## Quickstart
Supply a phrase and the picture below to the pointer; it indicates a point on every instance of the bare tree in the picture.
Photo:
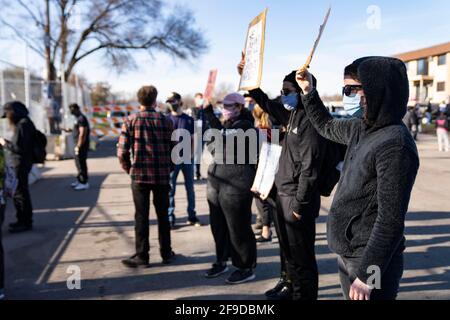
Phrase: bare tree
(64, 32)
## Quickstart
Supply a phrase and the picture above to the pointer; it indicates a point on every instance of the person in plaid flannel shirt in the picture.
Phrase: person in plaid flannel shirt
(144, 152)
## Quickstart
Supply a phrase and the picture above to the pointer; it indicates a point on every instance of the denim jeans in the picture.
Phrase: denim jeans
(188, 173)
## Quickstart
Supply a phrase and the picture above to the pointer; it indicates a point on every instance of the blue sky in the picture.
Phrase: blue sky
(291, 29)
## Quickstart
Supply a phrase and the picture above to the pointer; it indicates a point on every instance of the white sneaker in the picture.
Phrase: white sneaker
(2, 295)
(82, 187)
(74, 184)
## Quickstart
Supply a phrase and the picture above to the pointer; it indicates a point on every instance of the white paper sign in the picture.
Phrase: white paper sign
(267, 169)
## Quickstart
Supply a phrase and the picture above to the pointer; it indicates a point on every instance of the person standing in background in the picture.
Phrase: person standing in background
(182, 121)
(202, 124)
(144, 152)
(442, 128)
(81, 136)
(21, 148)
(412, 122)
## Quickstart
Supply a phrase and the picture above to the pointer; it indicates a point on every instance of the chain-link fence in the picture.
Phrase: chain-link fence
(47, 102)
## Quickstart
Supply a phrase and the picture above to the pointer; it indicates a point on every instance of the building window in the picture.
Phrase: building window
(407, 66)
(422, 67)
(442, 60)
(441, 86)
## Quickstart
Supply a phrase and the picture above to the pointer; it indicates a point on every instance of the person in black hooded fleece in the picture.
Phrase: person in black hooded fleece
(21, 148)
(297, 182)
(367, 219)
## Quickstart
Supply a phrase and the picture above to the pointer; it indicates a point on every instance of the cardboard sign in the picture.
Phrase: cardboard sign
(254, 54)
(211, 85)
(316, 43)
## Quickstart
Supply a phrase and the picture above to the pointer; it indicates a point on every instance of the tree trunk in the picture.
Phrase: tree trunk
(51, 70)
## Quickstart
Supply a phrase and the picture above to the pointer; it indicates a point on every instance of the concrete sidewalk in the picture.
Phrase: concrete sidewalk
(94, 230)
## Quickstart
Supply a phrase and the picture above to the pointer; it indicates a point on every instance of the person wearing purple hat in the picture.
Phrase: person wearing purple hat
(229, 192)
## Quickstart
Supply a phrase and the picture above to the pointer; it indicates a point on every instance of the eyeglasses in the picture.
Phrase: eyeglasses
(351, 90)
(286, 92)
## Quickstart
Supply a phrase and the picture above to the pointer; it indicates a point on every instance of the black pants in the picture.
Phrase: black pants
(81, 163)
(390, 281)
(279, 222)
(2, 261)
(231, 223)
(141, 197)
(22, 198)
(297, 241)
(265, 211)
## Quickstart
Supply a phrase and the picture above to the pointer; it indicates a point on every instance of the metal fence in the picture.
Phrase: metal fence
(47, 102)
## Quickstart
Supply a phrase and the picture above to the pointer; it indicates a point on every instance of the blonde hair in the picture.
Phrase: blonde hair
(261, 118)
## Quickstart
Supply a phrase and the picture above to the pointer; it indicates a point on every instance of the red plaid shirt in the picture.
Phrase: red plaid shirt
(145, 147)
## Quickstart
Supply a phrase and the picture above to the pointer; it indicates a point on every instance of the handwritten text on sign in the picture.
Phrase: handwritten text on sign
(254, 54)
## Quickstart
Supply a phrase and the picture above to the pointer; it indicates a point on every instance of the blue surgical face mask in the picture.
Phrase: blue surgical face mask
(290, 102)
(352, 106)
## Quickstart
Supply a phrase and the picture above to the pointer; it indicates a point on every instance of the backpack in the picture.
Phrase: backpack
(39, 147)
(330, 174)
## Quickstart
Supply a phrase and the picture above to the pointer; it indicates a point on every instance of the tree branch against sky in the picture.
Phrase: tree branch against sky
(64, 32)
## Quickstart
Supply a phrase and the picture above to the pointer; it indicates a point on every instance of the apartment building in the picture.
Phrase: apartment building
(429, 73)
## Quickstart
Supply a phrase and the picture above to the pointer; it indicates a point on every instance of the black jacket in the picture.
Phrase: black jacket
(303, 151)
(22, 143)
(237, 173)
(367, 216)
(411, 119)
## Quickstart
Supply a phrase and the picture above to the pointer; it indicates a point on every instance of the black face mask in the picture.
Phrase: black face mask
(175, 107)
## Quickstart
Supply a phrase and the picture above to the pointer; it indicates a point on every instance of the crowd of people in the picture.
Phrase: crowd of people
(371, 156)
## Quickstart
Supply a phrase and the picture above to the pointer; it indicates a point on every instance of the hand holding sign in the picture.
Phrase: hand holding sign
(304, 80)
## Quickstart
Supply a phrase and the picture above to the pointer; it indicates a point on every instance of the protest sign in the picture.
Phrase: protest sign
(254, 54)
(316, 43)
(211, 85)
(267, 169)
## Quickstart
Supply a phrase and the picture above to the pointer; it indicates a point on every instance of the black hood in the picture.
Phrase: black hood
(19, 110)
(386, 87)
(292, 78)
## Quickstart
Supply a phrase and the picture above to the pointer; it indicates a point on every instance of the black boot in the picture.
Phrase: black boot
(282, 291)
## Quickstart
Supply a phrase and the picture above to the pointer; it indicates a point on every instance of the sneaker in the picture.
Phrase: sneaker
(82, 187)
(173, 225)
(216, 270)
(135, 262)
(19, 228)
(284, 294)
(74, 184)
(261, 239)
(2, 295)
(169, 259)
(195, 223)
(241, 276)
(278, 287)
(14, 225)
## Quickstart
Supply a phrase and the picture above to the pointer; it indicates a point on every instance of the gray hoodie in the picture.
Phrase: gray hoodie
(367, 217)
